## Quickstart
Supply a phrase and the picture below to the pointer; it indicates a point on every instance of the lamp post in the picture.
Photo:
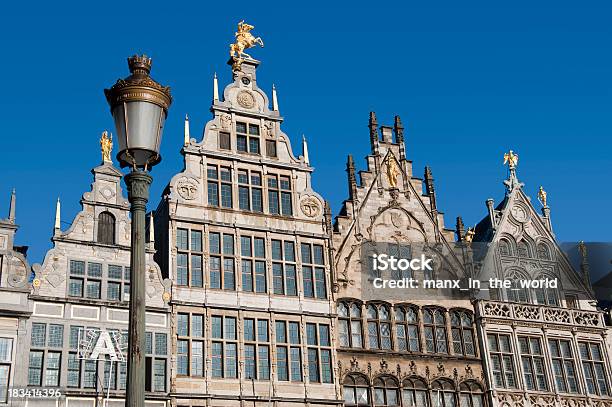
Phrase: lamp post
(139, 106)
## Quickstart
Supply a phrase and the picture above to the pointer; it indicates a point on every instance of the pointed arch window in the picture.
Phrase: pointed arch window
(434, 324)
(106, 228)
(505, 248)
(356, 391)
(462, 333)
(414, 393)
(349, 325)
(407, 328)
(443, 394)
(386, 391)
(379, 327)
(543, 252)
(470, 394)
(523, 249)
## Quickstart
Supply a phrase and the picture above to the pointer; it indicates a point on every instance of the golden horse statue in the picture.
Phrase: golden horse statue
(244, 40)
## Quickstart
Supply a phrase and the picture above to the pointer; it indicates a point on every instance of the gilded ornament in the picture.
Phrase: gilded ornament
(244, 40)
(511, 159)
(106, 145)
(393, 171)
(542, 197)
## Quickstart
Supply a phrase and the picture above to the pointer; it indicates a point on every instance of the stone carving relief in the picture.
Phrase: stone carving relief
(107, 193)
(3, 240)
(226, 122)
(520, 213)
(17, 272)
(187, 188)
(268, 129)
(246, 99)
(310, 206)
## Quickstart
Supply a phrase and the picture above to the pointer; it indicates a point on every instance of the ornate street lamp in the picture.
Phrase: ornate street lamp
(139, 106)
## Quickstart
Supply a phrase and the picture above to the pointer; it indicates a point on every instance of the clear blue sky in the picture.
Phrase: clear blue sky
(470, 80)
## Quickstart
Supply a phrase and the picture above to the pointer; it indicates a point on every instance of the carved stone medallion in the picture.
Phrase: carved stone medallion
(246, 99)
(187, 188)
(520, 213)
(310, 207)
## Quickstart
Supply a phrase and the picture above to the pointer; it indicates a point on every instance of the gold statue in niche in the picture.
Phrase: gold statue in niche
(393, 171)
(106, 145)
(542, 197)
(511, 159)
(244, 40)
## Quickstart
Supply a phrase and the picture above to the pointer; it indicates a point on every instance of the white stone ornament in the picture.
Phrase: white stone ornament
(187, 188)
(246, 99)
(310, 206)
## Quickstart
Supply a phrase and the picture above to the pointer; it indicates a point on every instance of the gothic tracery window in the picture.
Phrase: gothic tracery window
(349, 324)
(379, 327)
(443, 393)
(407, 328)
(470, 394)
(414, 393)
(504, 247)
(434, 324)
(543, 252)
(522, 249)
(462, 333)
(386, 391)
(106, 228)
(356, 390)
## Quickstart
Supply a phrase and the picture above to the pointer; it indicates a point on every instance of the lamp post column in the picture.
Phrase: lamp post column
(138, 183)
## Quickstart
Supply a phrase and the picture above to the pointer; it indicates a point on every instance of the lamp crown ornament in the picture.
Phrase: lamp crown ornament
(140, 64)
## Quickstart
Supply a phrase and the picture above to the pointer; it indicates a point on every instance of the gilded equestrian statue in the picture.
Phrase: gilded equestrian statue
(244, 40)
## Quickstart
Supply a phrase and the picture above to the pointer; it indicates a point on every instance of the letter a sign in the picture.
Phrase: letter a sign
(95, 344)
(104, 346)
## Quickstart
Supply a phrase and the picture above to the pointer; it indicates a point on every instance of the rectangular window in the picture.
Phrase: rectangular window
(501, 355)
(196, 271)
(222, 272)
(224, 356)
(35, 368)
(53, 369)
(181, 239)
(217, 359)
(224, 141)
(282, 366)
(74, 370)
(56, 336)
(39, 334)
(313, 365)
(90, 374)
(247, 137)
(271, 148)
(189, 258)
(197, 358)
(563, 365)
(594, 368)
(532, 360)
(312, 272)
(182, 358)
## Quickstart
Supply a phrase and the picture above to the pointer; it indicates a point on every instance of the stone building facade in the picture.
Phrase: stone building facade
(402, 351)
(244, 239)
(256, 296)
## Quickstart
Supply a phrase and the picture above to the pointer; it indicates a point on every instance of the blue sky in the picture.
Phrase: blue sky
(470, 81)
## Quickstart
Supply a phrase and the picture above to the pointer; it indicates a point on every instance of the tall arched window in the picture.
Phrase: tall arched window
(504, 247)
(435, 330)
(470, 394)
(414, 393)
(443, 393)
(386, 391)
(379, 327)
(543, 252)
(407, 328)
(523, 249)
(516, 293)
(356, 390)
(349, 324)
(462, 333)
(106, 228)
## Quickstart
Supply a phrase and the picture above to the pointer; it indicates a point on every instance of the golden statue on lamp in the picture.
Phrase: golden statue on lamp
(106, 145)
(244, 40)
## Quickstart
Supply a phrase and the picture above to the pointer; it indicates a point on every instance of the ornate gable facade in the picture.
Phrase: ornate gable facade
(416, 350)
(246, 242)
